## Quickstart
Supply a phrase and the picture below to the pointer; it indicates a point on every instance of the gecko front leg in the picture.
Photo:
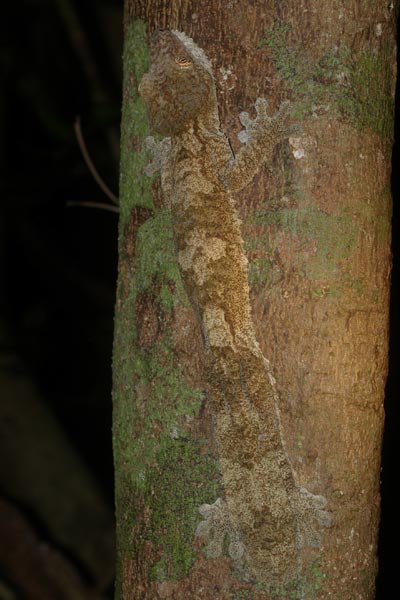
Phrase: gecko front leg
(259, 138)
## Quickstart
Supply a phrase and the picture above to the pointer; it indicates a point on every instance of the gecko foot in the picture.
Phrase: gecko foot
(266, 125)
(311, 516)
(213, 529)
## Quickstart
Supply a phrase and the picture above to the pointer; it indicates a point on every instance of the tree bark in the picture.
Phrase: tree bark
(316, 227)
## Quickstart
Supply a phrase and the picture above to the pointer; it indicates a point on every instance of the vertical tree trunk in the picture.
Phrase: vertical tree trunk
(316, 226)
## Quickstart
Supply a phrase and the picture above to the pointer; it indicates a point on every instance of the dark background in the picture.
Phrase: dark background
(58, 261)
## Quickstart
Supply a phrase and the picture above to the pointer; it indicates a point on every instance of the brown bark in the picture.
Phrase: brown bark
(317, 233)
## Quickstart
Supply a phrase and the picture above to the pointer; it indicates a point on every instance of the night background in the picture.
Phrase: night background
(60, 60)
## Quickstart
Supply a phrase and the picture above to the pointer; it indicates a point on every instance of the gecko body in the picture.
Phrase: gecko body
(265, 513)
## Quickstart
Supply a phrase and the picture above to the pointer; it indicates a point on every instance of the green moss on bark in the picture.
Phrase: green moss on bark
(135, 187)
(358, 88)
(162, 474)
(332, 238)
(188, 479)
(157, 259)
(307, 587)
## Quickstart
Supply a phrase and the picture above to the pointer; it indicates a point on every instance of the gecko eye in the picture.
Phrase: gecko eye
(183, 61)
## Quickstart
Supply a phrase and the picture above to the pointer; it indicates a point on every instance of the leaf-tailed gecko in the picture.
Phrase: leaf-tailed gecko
(265, 513)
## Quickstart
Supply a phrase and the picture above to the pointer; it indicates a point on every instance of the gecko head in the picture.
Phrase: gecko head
(179, 88)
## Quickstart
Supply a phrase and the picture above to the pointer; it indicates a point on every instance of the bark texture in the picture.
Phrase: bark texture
(317, 236)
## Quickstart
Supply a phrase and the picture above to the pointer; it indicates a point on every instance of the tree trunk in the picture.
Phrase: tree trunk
(316, 227)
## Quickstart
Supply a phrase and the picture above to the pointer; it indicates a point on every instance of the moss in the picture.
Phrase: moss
(162, 397)
(135, 186)
(307, 587)
(355, 88)
(184, 479)
(167, 297)
(286, 58)
(162, 475)
(259, 252)
(157, 257)
(334, 237)
(157, 463)
(261, 271)
(369, 103)
(315, 84)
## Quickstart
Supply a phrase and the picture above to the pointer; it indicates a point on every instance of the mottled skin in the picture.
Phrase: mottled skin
(266, 515)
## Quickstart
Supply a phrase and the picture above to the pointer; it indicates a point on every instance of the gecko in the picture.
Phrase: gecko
(267, 516)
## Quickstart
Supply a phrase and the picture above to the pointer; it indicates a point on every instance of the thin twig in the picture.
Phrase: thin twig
(89, 163)
(100, 205)
(70, 16)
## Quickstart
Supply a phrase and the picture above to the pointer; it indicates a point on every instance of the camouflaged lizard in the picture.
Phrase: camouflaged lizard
(266, 515)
